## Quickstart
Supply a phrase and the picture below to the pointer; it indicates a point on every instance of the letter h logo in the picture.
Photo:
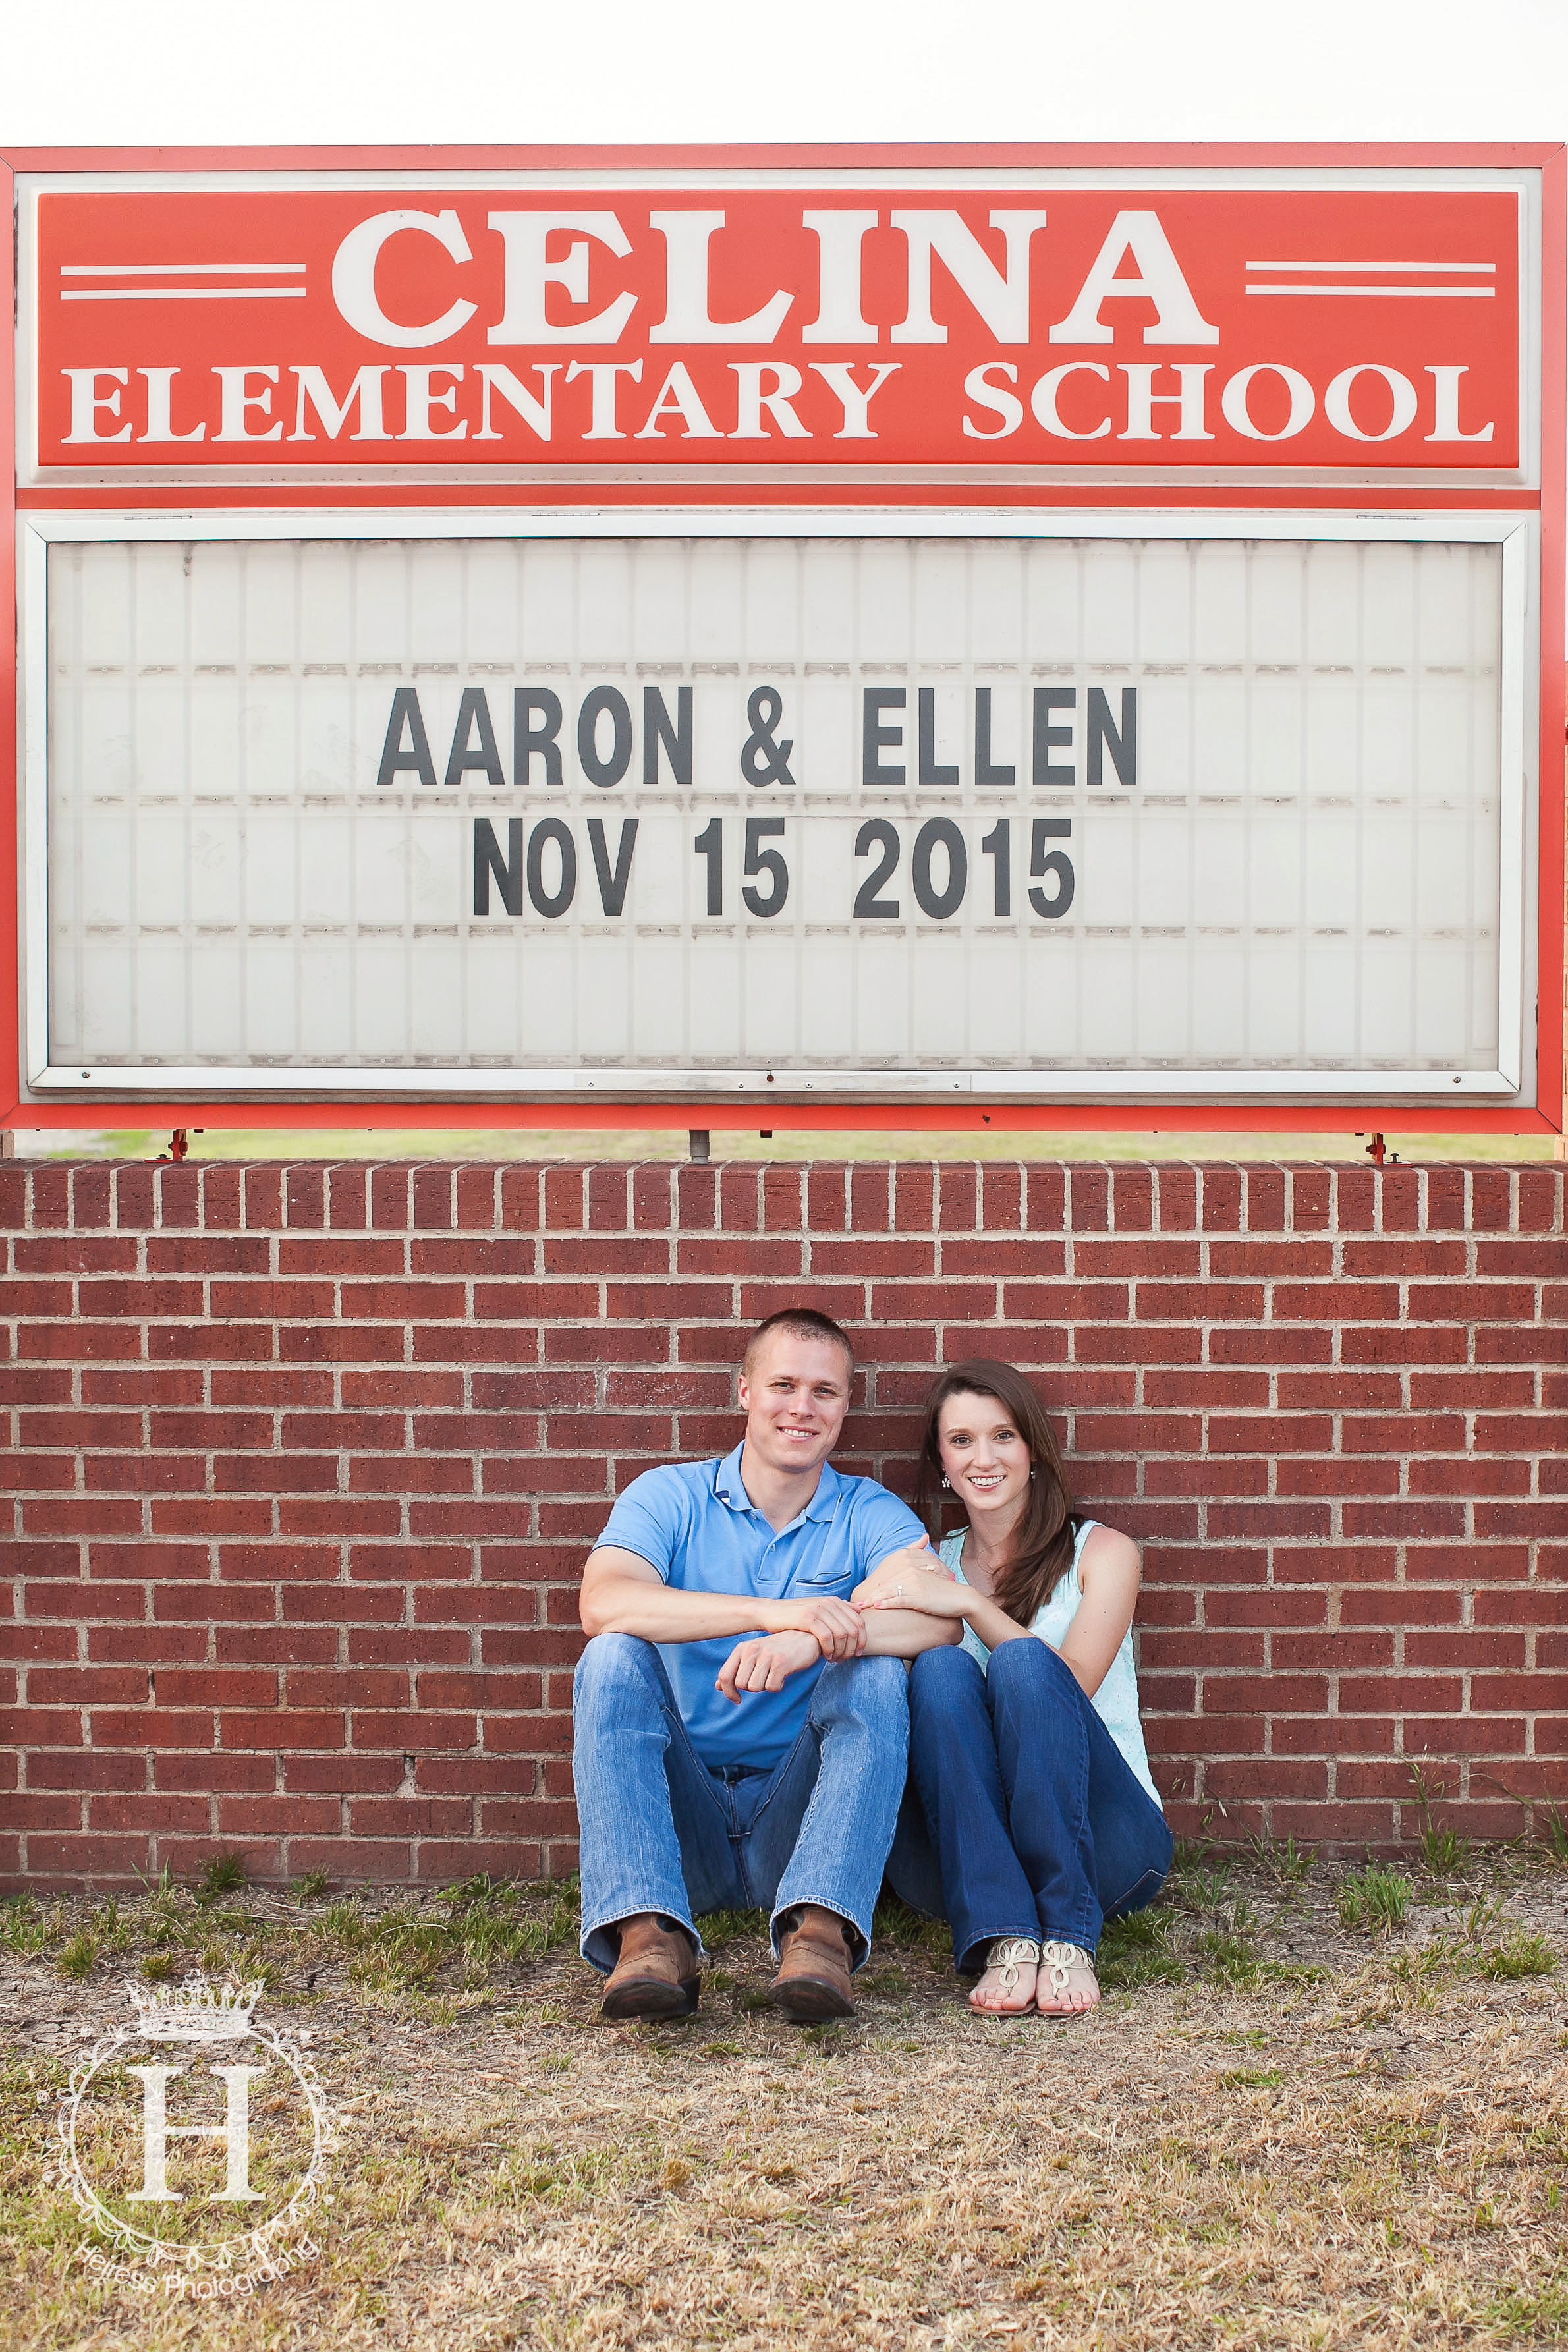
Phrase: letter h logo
(157, 2131)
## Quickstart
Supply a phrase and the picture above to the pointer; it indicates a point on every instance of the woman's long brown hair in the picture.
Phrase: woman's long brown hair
(1043, 1549)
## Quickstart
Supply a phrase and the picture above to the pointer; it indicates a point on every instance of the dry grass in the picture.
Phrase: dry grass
(1278, 2130)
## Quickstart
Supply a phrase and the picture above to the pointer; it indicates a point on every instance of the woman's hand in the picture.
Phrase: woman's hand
(916, 1578)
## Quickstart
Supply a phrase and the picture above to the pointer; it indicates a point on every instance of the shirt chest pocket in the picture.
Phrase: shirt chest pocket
(825, 1578)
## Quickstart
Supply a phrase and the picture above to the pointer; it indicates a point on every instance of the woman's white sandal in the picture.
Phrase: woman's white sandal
(1005, 1956)
(1057, 1962)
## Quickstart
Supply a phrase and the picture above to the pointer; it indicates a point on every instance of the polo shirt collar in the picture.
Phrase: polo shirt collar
(730, 1488)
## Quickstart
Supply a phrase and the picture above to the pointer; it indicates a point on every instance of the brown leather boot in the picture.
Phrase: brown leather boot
(815, 1952)
(656, 1975)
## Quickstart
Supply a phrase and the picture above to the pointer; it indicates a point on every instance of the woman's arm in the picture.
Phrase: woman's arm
(917, 1578)
(1108, 1572)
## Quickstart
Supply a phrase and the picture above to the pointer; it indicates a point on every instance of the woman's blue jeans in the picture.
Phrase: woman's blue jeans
(1034, 1824)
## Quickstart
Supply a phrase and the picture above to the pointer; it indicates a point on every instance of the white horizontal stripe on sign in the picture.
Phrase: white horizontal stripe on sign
(1487, 268)
(1190, 805)
(183, 269)
(1429, 293)
(183, 294)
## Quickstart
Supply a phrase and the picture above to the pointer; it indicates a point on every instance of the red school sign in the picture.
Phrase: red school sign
(1337, 697)
(911, 325)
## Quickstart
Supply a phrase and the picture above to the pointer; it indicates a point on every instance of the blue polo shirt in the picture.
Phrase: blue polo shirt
(695, 1523)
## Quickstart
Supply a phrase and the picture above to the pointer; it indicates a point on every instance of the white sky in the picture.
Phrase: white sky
(460, 72)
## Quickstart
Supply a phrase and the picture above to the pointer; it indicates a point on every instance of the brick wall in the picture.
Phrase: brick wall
(305, 1460)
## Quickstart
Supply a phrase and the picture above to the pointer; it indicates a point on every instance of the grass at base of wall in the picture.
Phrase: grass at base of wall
(480, 1144)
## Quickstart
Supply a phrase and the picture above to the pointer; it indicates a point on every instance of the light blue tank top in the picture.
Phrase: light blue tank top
(1115, 1700)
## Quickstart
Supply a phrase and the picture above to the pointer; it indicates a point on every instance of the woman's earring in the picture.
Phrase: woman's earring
(1031, 1474)
(947, 1486)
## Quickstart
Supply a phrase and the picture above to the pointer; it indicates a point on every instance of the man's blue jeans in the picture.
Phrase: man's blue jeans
(1034, 1823)
(660, 1832)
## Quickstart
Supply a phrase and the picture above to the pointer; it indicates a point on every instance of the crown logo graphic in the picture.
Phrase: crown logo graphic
(195, 2010)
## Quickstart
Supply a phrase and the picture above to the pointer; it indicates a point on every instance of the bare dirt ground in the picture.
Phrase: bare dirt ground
(1314, 2109)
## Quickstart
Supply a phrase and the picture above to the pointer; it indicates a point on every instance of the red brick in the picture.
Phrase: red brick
(1267, 1261)
(1274, 1434)
(735, 1256)
(360, 1343)
(1249, 1343)
(1519, 1693)
(1404, 1344)
(70, 1254)
(1521, 1433)
(1311, 1193)
(1334, 1302)
(1489, 1475)
(1226, 1694)
(1398, 1605)
(1471, 1302)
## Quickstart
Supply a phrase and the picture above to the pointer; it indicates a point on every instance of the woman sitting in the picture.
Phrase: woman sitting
(1026, 1748)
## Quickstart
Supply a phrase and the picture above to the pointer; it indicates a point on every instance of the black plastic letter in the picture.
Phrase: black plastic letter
(613, 880)
(527, 739)
(1103, 737)
(474, 710)
(507, 871)
(874, 738)
(1049, 738)
(604, 773)
(656, 729)
(394, 758)
(554, 902)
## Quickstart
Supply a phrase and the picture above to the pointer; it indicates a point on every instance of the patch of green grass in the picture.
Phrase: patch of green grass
(480, 1927)
(24, 1928)
(1481, 1918)
(115, 1934)
(223, 1874)
(307, 1889)
(1229, 1956)
(1446, 1853)
(1374, 1898)
(1287, 1864)
(1137, 1951)
(909, 1930)
(717, 1927)
(1521, 1953)
(1207, 1889)
(77, 1958)
(1190, 1855)
(346, 1923)
(1252, 2078)
(1537, 2314)
(157, 1967)
(1556, 1829)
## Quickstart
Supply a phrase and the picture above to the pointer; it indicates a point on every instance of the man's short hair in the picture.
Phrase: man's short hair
(800, 1323)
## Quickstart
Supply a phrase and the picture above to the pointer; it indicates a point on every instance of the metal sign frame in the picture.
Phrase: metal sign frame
(1521, 509)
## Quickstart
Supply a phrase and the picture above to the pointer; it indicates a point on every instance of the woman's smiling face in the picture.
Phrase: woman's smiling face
(984, 1457)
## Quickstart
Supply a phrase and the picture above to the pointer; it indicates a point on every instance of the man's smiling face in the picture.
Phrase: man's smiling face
(794, 1399)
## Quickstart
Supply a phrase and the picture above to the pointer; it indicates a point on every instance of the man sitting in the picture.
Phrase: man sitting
(742, 1732)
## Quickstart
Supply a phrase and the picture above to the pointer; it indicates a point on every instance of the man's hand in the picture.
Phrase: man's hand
(765, 1662)
(838, 1630)
(916, 1578)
